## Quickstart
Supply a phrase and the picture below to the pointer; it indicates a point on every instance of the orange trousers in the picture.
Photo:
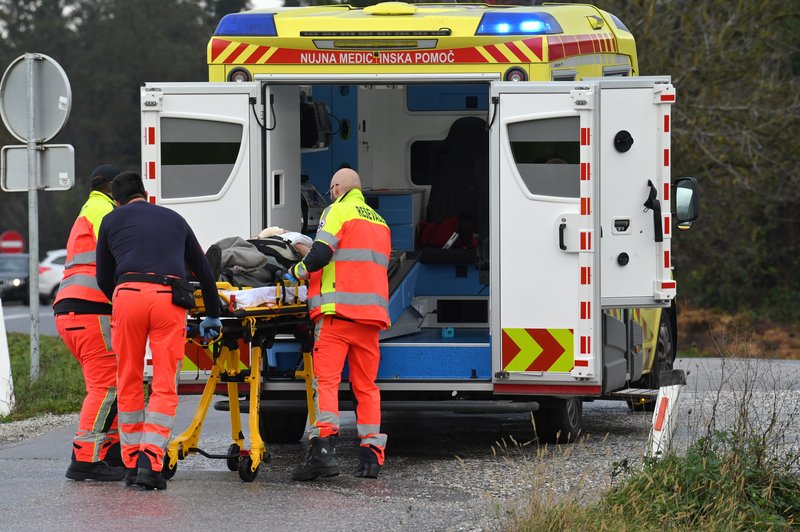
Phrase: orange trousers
(142, 312)
(88, 337)
(337, 340)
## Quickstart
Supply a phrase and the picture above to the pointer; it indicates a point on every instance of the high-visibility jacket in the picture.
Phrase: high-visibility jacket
(80, 281)
(354, 284)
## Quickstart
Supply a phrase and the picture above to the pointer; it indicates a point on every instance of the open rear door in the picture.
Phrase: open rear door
(208, 154)
(545, 290)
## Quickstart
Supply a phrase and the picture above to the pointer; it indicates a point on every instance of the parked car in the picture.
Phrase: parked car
(50, 271)
(14, 277)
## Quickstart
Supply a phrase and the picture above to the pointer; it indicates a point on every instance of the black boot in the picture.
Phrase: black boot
(114, 456)
(130, 477)
(368, 466)
(320, 460)
(146, 477)
(94, 471)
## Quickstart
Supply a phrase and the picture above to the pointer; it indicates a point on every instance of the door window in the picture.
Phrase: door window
(547, 155)
(197, 156)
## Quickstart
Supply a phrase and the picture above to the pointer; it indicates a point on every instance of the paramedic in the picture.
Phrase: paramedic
(142, 250)
(348, 302)
(83, 319)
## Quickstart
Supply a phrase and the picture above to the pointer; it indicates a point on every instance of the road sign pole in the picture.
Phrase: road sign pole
(33, 217)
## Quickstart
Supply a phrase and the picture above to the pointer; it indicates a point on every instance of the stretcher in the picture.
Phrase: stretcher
(251, 316)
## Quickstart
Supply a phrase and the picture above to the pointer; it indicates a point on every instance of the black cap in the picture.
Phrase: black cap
(105, 173)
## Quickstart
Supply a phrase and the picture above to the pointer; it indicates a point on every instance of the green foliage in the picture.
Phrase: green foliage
(60, 387)
(726, 481)
(734, 64)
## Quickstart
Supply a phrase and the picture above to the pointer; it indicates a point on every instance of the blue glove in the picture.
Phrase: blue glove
(291, 278)
(210, 327)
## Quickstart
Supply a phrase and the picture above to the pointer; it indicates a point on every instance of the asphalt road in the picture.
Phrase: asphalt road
(443, 472)
(18, 318)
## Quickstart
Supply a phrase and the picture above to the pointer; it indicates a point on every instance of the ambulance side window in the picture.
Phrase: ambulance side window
(547, 155)
(197, 156)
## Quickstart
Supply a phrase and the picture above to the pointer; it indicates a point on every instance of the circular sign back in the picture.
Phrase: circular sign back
(52, 98)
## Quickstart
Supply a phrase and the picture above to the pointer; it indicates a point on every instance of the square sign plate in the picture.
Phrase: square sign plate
(55, 163)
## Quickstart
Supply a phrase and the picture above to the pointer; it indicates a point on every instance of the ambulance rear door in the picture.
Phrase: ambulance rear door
(545, 291)
(208, 154)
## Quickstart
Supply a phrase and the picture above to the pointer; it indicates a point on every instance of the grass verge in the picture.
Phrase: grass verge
(60, 388)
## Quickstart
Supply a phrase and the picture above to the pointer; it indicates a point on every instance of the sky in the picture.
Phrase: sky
(258, 4)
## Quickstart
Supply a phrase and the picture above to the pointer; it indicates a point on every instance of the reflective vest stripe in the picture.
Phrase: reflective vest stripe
(328, 238)
(345, 298)
(131, 418)
(361, 255)
(88, 258)
(83, 280)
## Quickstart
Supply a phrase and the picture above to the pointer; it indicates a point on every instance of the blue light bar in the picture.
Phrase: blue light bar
(254, 24)
(500, 23)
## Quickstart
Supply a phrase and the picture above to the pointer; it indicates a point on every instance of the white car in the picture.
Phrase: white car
(50, 271)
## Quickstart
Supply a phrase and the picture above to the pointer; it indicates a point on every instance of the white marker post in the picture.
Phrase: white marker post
(6, 383)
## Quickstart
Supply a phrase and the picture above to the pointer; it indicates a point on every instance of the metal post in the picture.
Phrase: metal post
(33, 216)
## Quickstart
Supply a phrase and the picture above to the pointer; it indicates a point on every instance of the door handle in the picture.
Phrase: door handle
(561, 243)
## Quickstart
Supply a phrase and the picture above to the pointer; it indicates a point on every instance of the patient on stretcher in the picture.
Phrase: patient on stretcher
(258, 261)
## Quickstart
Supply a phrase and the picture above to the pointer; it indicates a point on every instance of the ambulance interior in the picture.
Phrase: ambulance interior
(422, 152)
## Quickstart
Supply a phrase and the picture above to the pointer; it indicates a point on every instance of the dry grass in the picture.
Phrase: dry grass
(708, 332)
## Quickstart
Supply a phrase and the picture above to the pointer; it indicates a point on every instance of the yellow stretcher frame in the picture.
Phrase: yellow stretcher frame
(258, 326)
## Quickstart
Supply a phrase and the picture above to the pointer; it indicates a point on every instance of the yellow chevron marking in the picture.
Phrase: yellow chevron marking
(528, 350)
(244, 56)
(485, 54)
(567, 360)
(532, 57)
(507, 53)
(264, 58)
(233, 45)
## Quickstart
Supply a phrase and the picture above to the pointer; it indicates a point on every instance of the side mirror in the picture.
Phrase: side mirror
(687, 201)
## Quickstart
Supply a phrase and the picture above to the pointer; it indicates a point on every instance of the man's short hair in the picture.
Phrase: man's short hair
(127, 186)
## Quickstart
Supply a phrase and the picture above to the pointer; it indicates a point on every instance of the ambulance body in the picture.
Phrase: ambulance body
(522, 132)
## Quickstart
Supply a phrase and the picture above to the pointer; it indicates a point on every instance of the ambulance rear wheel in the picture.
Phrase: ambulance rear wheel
(245, 469)
(233, 457)
(168, 472)
(560, 421)
(281, 428)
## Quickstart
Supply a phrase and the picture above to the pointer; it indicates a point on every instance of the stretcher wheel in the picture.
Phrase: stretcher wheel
(233, 462)
(245, 472)
(167, 471)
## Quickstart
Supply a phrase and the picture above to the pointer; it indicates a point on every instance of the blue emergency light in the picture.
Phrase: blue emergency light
(257, 24)
(509, 23)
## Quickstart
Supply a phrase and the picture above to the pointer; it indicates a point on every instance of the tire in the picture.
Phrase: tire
(167, 471)
(281, 428)
(560, 421)
(662, 362)
(233, 463)
(245, 472)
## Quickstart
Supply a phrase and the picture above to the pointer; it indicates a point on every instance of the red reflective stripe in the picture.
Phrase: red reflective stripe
(586, 206)
(667, 285)
(151, 135)
(517, 52)
(662, 413)
(586, 310)
(667, 97)
(586, 274)
(582, 363)
(151, 170)
(586, 171)
(666, 156)
(666, 191)
(217, 46)
(666, 123)
(666, 259)
(667, 225)
(547, 389)
(586, 345)
(236, 53)
(495, 53)
(258, 54)
(152, 200)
